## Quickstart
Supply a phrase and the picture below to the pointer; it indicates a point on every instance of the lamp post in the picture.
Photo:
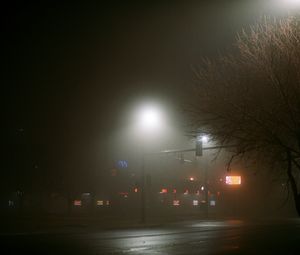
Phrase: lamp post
(149, 120)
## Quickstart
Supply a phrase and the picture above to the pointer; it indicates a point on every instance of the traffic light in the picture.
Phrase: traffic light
(199, 147)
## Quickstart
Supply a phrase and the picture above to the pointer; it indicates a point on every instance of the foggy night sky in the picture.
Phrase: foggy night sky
(72, 70)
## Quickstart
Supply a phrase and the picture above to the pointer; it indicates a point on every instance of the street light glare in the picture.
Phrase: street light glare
(204, 138)
(150, 117)
(290, 3)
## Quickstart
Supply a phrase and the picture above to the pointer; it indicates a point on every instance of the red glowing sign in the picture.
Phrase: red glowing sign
(164, 191)
(77, 202)
(233, 180)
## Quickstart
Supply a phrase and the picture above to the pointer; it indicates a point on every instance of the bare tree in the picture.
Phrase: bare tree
(251, 98)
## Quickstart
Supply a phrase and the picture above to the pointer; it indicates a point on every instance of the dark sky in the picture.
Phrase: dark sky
(71, 70)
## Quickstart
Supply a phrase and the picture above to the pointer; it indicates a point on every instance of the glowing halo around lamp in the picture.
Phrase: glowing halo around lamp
(292, 2)
(289, 3)
(149, 118)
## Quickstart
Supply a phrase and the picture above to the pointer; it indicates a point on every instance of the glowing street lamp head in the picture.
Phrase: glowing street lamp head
(204, 138)
(149, 118)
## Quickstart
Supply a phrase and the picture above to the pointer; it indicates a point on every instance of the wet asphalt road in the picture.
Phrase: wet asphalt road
(194, 237)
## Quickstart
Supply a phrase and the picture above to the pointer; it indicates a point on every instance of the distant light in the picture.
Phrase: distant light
(77, 202)
(107, 202)
(100, 202)
(176, 202)
(195, 202)
(174, 191)
(163, 191)
(212, 203)
(124, 194)
(233, 180)
(192, 178)
(122, 164)
(202, 188)
(186, 192)
(204, 138)
(135, 190)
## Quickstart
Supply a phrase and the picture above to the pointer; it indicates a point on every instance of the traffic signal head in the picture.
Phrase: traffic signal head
(199, 147)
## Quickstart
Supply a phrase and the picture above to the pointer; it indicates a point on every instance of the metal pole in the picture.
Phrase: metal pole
(206, 193)
(143, 192)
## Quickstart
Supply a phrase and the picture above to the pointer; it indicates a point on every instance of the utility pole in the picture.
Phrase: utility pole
(143, 192)
(206, 190)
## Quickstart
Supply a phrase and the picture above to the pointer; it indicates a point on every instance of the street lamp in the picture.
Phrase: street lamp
(149, 121)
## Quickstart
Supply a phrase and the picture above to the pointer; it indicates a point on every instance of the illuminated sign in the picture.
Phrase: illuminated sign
(164, 191)
(77, 202)
(176, 202)
(100, 202)
(195, 202)
(122, 164)
(212, 203)
(233, 180)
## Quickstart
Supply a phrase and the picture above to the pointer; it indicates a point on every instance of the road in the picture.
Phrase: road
(194, 237)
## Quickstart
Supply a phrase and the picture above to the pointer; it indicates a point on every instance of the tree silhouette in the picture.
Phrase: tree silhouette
(251, 98)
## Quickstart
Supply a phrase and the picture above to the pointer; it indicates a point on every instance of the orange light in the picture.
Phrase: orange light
(233, 180)
(100, 202)
(135, 190)
(192, 179)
